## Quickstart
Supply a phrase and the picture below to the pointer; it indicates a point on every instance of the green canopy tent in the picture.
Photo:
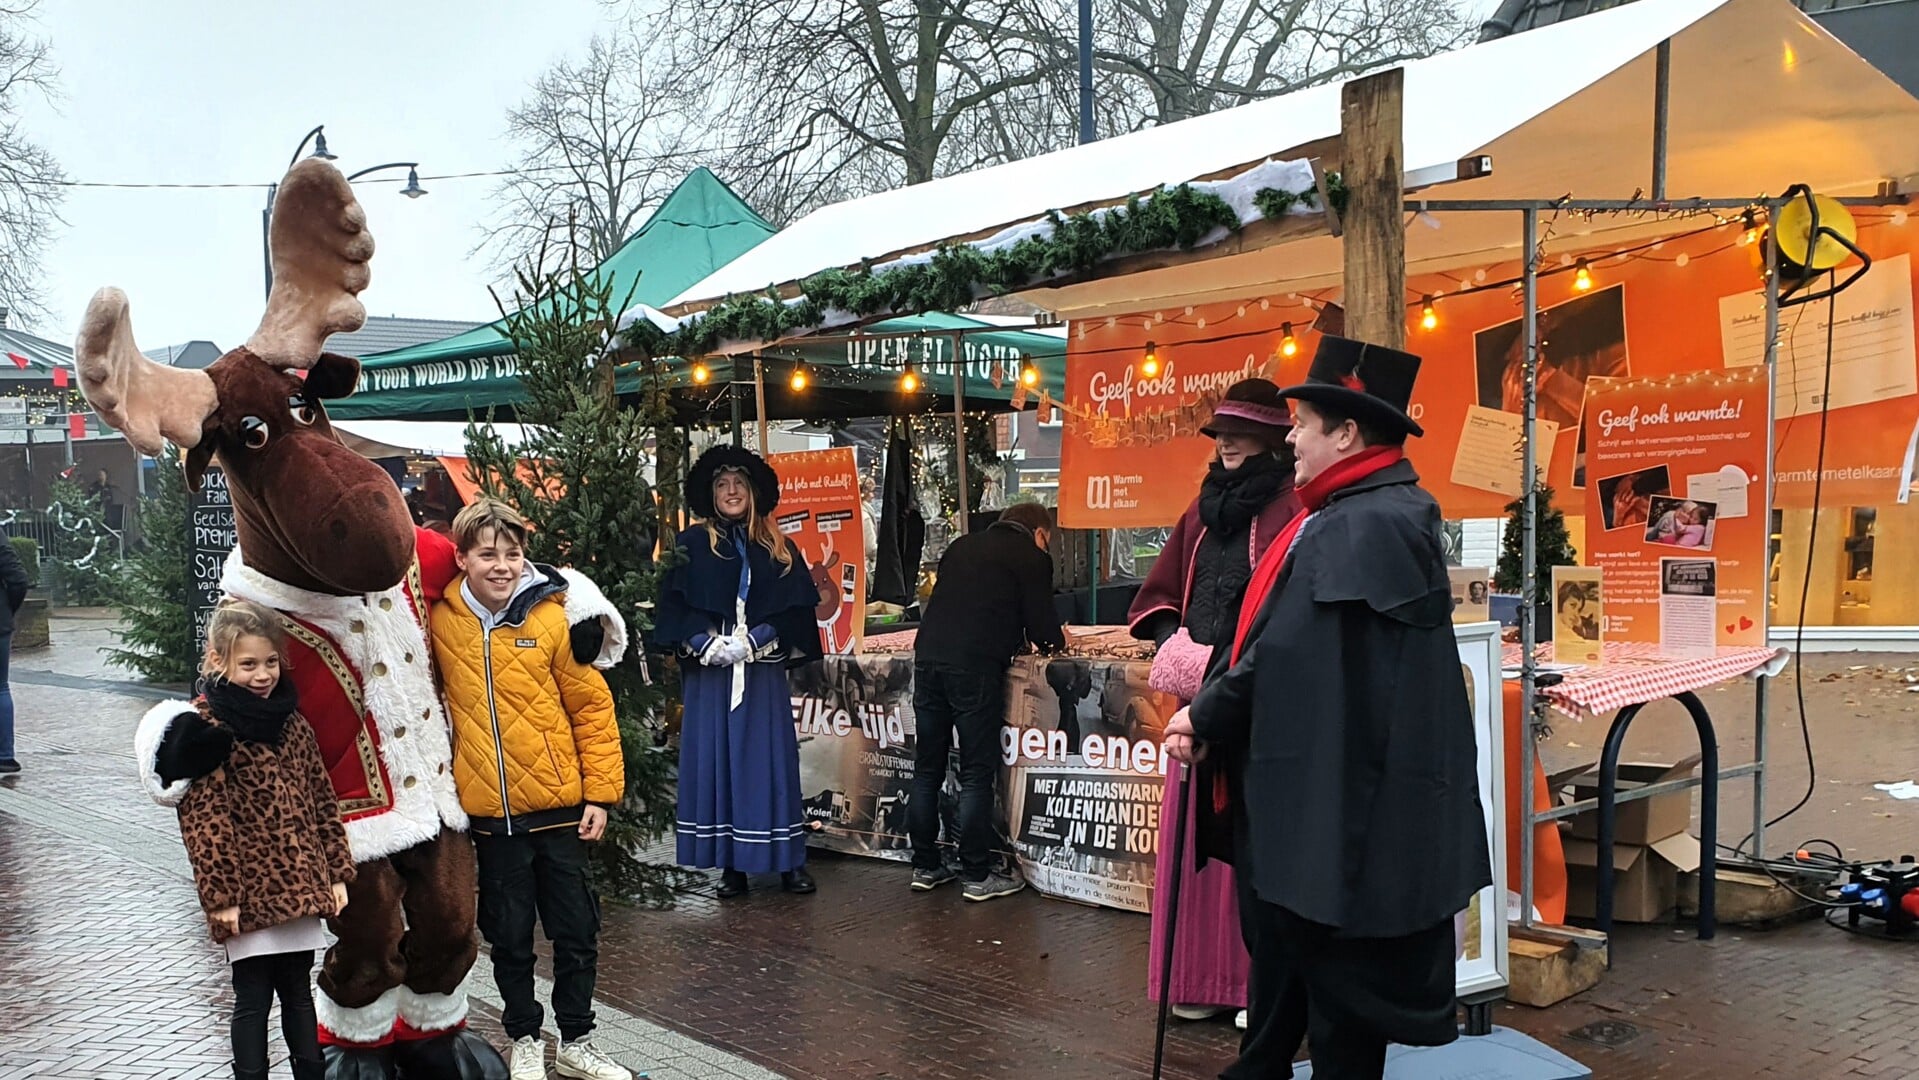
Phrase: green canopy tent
(700, 227)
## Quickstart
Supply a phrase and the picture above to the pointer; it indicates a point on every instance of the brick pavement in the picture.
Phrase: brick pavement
(98, 926)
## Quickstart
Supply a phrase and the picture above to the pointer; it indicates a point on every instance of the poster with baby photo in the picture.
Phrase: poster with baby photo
(1682, 523)
(1579, 615)
(1625, 500)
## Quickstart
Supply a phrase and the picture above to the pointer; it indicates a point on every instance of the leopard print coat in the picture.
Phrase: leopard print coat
(263, 832)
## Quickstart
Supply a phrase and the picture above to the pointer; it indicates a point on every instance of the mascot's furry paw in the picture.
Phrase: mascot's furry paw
(191, 748)
(343, 1063)
(588, 638)
(457, 1055)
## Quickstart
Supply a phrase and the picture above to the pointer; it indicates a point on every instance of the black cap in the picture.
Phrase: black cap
(1370, 382)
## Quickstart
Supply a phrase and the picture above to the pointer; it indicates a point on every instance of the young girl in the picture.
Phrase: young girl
(263, 833)
(739, 610)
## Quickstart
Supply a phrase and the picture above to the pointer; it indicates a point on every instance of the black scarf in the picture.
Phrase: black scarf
(1230, 499)
(248, 715)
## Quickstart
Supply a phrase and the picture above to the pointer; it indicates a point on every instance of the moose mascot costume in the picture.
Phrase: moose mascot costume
(326, 541)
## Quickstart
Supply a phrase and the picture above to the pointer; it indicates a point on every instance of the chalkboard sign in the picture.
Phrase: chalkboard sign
(211, 535)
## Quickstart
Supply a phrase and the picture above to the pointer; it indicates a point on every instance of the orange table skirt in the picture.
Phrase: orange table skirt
(1549, 859)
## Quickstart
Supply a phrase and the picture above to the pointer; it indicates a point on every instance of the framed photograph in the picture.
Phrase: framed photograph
(1625, 500)
(1480, 930)
(1579, 615)
(1472, 593)
(1682, 523)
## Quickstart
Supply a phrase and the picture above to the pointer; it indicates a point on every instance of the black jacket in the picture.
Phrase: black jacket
(994, 594)
(13, 575)
(1361, 782)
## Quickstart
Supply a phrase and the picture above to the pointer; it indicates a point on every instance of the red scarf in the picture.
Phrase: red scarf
(1313, 495)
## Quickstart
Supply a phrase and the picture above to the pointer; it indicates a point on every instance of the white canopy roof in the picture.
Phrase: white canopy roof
(429, 438)
(1761, 98)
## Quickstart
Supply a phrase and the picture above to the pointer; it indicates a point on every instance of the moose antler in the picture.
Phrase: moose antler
(149, 403)
(320, 248)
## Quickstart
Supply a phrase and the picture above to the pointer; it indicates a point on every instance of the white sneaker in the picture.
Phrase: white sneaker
(582, 1060)
(1196, 1012)
(527, 1060)
(1239, 1021)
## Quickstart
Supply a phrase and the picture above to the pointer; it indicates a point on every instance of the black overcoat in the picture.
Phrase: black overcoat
(1361, 784)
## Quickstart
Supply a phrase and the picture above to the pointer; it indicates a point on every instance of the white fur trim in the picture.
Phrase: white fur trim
(366, 1024)
(584, 601)
(403, 697)
(433, 1012)
(146, 750)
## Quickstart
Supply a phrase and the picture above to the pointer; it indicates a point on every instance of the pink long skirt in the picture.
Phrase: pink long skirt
(1210, 964)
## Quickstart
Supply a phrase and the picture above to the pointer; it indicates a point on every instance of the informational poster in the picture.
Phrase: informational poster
(1869, 328)
(1579, 615)
(1688, 607)
(1138, 389)
(1492, 448)
(820, 511)
(854, 717)
(210, 532)
(1657, 448)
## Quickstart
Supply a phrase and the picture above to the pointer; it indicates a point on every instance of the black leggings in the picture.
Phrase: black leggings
(255, 982)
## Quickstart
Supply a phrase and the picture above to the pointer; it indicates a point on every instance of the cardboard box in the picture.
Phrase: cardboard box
(1645, 877)
(1643, 821)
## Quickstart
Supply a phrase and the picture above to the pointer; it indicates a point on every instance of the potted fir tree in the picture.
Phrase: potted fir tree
(1552, 546)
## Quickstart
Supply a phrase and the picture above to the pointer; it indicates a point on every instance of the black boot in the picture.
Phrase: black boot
(798, 881)
(732, 884)
(342, 1063)
(308, 1068)
(457, 1055)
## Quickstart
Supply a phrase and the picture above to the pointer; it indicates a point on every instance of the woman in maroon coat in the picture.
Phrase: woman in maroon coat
(1194, 590)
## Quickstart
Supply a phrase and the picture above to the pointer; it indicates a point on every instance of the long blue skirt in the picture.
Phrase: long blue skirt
(739, 806)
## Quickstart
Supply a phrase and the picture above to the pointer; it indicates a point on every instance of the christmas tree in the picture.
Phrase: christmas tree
(86, 554)
(156, 624)
(580, 480)
(1551, 543)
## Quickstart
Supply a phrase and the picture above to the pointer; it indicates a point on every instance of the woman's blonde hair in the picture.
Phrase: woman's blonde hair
(759, 529)
(236, 619)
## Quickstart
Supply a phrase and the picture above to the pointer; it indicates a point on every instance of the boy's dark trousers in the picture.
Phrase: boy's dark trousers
(541, 873)
(256, 981)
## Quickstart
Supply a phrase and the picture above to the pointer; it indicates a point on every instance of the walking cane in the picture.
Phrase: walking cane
(1172, 915)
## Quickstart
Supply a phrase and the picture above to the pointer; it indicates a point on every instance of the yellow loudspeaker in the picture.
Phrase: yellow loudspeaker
(1813, 234)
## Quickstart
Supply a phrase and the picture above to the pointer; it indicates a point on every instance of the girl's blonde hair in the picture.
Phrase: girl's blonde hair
(759, 529)
(236, 619)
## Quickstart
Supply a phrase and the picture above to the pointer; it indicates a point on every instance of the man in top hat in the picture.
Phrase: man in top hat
(1359, 821)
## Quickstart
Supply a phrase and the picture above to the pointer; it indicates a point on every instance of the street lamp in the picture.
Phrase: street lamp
(317, 137)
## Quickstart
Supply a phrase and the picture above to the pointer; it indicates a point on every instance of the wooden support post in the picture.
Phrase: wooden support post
(1374, 239)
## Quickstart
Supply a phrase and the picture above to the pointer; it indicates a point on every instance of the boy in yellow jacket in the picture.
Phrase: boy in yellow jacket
(537, 761)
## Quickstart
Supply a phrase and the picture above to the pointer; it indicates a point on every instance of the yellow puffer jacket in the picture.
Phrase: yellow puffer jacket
(534, 735)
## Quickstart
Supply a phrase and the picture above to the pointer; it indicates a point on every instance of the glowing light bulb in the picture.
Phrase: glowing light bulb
(1149, 367)
(910, 382)
(1428, 318)
(1582, 276)
(1751, 234)
(1029, 376)
(798, 381)
(1288, 344)
(701, 375)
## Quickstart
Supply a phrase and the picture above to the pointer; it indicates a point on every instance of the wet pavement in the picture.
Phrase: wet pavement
(105, 970)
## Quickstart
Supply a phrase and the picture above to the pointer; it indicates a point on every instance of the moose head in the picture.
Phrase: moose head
(310, 513)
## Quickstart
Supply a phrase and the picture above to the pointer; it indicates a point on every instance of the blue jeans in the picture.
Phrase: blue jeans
(6, 698)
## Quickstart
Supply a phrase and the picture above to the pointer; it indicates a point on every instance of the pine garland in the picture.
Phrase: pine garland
(957, 275)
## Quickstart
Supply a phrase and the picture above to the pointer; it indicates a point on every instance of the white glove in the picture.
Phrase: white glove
(724, 652)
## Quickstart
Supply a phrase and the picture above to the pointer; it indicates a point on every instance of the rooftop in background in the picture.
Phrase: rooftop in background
(41, 355)
(193, 354)
(1885, 32)
(385, 333)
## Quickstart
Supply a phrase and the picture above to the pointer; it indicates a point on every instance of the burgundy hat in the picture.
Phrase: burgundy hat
(1251, 407)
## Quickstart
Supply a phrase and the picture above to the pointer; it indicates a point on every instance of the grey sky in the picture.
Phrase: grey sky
(199, 91)
(190, 91)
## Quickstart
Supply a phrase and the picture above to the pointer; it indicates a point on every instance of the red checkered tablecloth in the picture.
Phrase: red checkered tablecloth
(1635, 673)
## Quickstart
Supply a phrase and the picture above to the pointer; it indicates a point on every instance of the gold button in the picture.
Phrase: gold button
(409, 658)
(357, 627)
(426, 714)
(442, 768)
(400, 732)
(410, 781)
(379, 669)
(386, 603)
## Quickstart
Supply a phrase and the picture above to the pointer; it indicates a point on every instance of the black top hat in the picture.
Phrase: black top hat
(1371, 382)
(1250, 407)
(728, 458)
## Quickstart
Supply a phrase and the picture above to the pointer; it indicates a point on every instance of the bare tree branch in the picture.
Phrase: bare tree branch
(30, 179)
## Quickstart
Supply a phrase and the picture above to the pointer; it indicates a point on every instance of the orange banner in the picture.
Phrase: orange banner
(1131, 454)
(1677, 467)
(820, 510)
